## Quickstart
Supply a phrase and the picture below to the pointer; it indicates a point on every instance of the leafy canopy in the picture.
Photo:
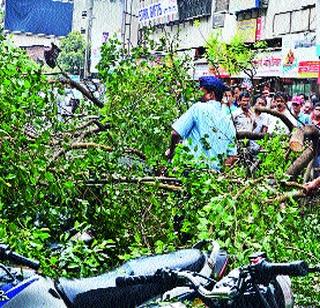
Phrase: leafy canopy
(72, 53)
(234, 56)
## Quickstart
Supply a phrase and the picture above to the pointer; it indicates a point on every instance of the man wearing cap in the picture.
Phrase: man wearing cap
(205, 128)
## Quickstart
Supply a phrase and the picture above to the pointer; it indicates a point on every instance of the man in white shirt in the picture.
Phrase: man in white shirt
(243, 116)
(277, 125)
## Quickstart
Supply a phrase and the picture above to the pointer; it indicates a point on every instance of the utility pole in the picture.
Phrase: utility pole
(124, 22)
(86, 72)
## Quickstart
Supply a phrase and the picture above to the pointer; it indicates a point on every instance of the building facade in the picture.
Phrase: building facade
(288, 27)
(97, 20)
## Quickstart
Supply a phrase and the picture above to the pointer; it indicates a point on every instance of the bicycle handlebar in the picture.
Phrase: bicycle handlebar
(7, 254)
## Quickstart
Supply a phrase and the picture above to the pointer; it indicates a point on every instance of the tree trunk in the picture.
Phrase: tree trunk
(297, 140)
(301, 162)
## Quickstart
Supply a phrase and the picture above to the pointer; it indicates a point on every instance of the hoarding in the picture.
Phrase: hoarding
(158, 12)
(246, 29)
(259, 28)
(41, 16)
(300, 62)
(218, 20)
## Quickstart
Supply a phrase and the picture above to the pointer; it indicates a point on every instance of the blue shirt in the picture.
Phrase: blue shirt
(208, 131)
(228, 110)
(303, 118)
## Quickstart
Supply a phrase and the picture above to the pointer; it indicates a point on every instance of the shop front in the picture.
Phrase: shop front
(300, 70)
(293, 70)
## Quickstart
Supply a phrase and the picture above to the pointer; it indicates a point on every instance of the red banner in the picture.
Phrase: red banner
(309, 69)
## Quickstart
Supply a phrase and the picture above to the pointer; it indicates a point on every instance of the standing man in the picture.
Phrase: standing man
(205, 128)
(261, 120)
(244, 116)
(276, 125)
(315, 115)
(307, 107)
(296, 105)
(227, 102)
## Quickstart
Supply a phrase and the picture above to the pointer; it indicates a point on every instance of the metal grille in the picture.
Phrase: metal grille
(190, 9)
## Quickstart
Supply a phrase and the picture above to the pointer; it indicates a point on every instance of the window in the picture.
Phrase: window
(295, 21)
(281, 23)
(191, 9)
(300, 21)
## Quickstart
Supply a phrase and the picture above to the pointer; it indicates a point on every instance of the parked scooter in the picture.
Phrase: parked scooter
(259, 285)
(26, 288)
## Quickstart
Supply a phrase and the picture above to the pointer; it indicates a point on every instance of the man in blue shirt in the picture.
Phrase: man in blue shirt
(205, 128)
(302, 119)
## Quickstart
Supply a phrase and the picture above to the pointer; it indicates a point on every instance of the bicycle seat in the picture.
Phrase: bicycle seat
(101, 291)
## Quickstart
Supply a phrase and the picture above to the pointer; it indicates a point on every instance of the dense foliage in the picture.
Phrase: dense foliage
(59, 177)
(235, 56)
(71, 58)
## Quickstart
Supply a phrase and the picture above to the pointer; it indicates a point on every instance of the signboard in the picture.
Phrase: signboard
(259, 28)
(246, 29)
(243, 5)
(158, 12)
(309, 69)
(300, 62)
(203, 69)
(268, 64)
(190, 9)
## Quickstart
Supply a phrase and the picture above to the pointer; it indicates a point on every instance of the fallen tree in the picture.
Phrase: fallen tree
(127, 207)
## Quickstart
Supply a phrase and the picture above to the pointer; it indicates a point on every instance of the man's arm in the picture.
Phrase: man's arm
(232, 150)
(181, 130)
(312, 186)
(175, 139)
(230, 160)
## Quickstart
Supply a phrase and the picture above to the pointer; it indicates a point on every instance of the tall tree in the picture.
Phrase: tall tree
(71, 58)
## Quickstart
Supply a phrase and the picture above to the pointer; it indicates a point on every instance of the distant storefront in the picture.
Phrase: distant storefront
(296, 69)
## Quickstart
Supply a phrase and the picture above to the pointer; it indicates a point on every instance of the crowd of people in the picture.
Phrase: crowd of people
(299, 109)
(209, 127)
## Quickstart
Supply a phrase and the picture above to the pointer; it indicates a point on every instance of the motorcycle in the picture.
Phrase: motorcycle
(261, 284)
(20, 287)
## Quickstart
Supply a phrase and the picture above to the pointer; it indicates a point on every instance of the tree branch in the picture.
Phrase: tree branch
(288, 195)
(301, 162)
(160, 182)
(87, 145)
(297, 140)
(250, 135)
(68, 81)
(277, 114)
